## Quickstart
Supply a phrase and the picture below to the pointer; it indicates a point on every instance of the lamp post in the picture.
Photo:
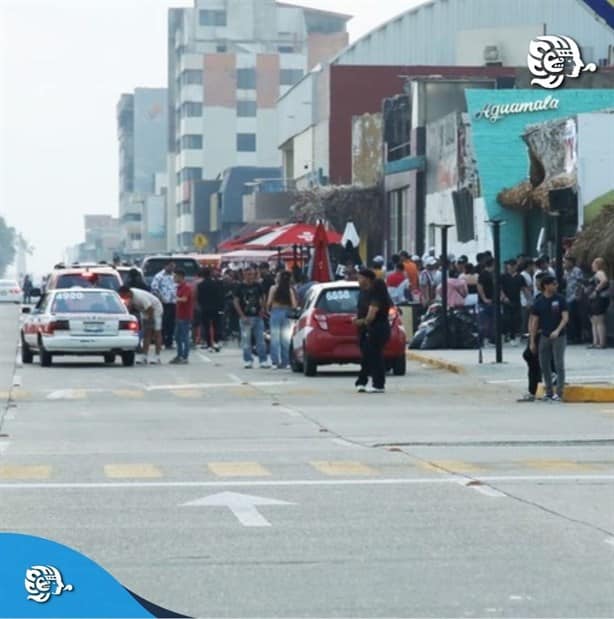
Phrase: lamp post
(444, 280)
(496, 234)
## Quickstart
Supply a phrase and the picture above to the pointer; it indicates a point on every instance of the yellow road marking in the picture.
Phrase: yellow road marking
(188, 394)
(16, 394)
(341, 467)
(242, 391)
(558, 465)
(306, 392)
(238, 469)
(133, 471)
(15, 471)
(457, 466)
(132, 394)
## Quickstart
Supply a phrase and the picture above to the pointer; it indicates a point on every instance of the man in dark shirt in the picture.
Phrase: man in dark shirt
(366, 277)
(551, 318)
(249, 303)
(267, 279)
(486, 292)
(511, 287)
(210, 293)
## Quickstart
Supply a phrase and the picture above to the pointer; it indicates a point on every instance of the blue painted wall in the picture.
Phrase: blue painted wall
(501, 154)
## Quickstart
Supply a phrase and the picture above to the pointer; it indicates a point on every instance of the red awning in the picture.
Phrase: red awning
(292, 234)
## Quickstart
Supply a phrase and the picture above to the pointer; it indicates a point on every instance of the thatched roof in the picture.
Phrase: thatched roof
(597, 240)
(525, 196)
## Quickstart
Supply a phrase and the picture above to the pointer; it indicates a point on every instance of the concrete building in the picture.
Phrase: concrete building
(228, 62)
(102, 240)
(142, 124)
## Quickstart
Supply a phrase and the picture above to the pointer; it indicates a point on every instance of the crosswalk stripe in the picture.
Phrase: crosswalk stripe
(132, 471)
(187, 394)
(558, 465)
(238, 469)
(342, 467)
(15, 394)
(30, 471)
(443, 466)
(130, 394)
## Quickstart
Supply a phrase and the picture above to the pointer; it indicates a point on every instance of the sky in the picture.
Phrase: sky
(63, 66)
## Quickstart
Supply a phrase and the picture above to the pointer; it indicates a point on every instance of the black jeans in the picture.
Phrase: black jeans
(574, 328)
(373, 364)
(168, 324)
(212, 331)
(512, 320)
(535, 370)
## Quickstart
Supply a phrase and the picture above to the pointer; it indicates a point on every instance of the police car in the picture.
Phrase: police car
(82, 322)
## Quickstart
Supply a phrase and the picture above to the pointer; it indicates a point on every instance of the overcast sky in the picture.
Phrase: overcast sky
(63, 65)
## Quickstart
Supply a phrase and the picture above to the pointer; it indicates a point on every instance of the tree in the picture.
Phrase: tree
(7, 245)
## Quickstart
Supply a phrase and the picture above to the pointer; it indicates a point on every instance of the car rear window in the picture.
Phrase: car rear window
(8, 283)
(107, 281)
(153, 266)
(338, 301)
(78, 302)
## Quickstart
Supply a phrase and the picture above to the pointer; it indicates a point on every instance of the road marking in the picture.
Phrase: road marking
(15, 471)
(18, 359)
(303, 482)
(132, 471)
(16, 381)
(205, 358)
(482, 489)
(14, 395)
(213, 385)
(235, 379)
(4, 445)
(67, 394)
(340, 467)
(443, 466)
(558, 465)
(238, 469)
(243, 506)
(130, 394)
(568, 379)
(610, 541)
(188, 394)
(343, 443)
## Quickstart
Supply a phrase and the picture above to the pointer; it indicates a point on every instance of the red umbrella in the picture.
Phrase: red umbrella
(292, 234)
(319, 267)
(239, 241)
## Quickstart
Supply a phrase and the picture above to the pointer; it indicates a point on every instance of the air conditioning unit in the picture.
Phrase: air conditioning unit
(492, 55)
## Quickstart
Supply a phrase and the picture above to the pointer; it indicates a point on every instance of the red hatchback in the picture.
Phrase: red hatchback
(324, 333)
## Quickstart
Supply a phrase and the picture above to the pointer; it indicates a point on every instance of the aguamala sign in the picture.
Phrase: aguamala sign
(494, 112)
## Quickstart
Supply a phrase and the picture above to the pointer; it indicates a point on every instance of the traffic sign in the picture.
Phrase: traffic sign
(200, 241)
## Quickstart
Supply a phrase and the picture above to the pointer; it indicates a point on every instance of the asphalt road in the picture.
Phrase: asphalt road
(442, 498)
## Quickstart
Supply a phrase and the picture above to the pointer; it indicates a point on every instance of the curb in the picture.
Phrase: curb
(596, 393)
(440, 364)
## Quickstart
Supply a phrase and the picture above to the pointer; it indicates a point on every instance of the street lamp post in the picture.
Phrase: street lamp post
(496, 233)
(444, 280)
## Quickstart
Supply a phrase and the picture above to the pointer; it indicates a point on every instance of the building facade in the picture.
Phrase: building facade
(229, 61)
(142, 125)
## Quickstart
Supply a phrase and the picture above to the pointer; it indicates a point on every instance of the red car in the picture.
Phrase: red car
(324, 333)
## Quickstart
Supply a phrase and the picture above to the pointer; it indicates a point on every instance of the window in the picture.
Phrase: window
(193, 142)
(135, 236)
(246, 142)
(191, 109)
(191, 76)
(285, 49)
(212, 18)
(338, 301)
(191, 174)
(132, 217)
(246, 108)
(288, 77)
(221, 49)
(246, 78)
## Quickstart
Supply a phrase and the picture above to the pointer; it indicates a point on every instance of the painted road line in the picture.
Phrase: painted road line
(14, 395)
(188, 394)
(16, 381)
(238, 469)
(4, 445)
(444, 466)
(68, 394)
(132, 471)
(416, 481)
(610, 541)
(130, 394)
(30, 471)
(558, 465)
(204, 358)
(243, 506)
(482, 489)
(340, 467)
(343, 443)
(213, 385)
(235, 379)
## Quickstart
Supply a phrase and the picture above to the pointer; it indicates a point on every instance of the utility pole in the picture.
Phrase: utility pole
(444, 280)
(496, 233)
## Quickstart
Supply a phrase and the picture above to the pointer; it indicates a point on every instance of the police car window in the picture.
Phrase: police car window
(153, 266)
(89, 280)
(69, 302)
(338, 301)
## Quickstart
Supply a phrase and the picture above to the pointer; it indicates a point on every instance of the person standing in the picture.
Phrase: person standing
(573, 277)
(211, 301)
(27, 289)
(163, 286)
(281, 301)
(511, 290)
(374, 331)
(486, 293)
(184, 315)
(599, 301)
(551, 317)
(430, 278)
(151, 312)
(249, 305)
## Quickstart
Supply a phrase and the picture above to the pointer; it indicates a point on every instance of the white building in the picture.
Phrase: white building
(229, 61)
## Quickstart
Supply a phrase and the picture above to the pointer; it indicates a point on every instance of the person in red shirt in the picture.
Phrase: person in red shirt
(397, 277)
(184, 314)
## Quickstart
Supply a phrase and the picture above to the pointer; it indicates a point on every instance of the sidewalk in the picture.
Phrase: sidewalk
(9, 334)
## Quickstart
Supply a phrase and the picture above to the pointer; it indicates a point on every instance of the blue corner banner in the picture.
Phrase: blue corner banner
(40, 578)
(603, 8)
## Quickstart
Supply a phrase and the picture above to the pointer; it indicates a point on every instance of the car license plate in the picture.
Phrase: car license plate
(93, 327)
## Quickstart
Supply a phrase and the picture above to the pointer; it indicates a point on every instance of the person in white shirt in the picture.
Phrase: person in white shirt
(151, 311)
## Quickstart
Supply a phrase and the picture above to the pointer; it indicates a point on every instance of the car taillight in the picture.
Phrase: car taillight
(15, 291)
(321, 320)
(56, 325)
(128, 325)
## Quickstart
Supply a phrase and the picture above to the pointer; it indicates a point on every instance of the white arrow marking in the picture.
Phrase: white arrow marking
(62, 394)
(243, 506)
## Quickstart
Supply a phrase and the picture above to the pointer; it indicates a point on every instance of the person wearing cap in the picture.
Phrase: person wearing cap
(430, 278)
(379, 267)
(550, 315)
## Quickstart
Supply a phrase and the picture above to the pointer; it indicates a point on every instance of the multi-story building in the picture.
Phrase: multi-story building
(142, 123)
(229, 61)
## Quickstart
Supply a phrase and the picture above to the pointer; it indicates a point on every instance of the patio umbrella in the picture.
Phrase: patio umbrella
(292, 234)
(239, 241)
(320, 267)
